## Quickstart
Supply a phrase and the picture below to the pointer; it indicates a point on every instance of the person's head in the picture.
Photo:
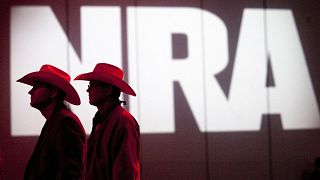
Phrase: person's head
(105, 83)
(50, 84)
(42, 94)
(100, 92)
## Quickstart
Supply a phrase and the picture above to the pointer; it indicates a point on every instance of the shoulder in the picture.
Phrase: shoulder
(124, 118)
(69, 120)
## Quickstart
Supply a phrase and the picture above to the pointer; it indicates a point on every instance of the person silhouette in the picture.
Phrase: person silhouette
(60, 149)
(114, 142)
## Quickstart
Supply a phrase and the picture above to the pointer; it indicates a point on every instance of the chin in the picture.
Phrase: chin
(39, 104)
(34, 105)
(92, 102)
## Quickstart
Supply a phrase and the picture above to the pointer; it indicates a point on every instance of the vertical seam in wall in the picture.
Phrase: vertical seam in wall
(67, 40)
(269, 130)
(206, 145)
(124, 47)
(135, 5)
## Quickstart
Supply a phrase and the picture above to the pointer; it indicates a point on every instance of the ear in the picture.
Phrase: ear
(108, 89)
(54, 92)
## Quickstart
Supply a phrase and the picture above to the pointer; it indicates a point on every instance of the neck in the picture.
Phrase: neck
(107, 106)
(48, 110)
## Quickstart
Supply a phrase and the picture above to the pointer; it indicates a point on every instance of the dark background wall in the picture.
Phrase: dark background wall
(269, 154)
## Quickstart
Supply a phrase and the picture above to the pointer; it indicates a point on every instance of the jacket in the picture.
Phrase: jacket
(114, 147)
(60, 150)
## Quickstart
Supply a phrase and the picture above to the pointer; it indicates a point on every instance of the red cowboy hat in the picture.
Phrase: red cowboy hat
(56, 77)
(109, 74)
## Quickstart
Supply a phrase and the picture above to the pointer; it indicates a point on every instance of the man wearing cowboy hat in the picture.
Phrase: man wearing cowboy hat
(60, 150)
(114, 142)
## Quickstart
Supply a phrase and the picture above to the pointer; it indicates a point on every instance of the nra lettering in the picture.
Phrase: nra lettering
(38, 38)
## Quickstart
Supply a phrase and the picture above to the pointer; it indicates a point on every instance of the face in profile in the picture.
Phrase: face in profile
(98, 92)
(40, 95)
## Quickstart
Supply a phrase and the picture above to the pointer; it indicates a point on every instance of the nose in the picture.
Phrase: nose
(31, 91)
(88, 89)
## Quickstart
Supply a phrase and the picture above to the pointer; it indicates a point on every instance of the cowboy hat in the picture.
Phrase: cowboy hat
(110, 74)
(56, 77)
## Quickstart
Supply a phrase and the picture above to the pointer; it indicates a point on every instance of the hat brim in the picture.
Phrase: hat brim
(119, 83)
(47, 77)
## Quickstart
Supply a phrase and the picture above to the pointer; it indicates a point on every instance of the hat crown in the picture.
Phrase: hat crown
(51, 69)
(109, 69)
(56, 77)
(109, 74)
